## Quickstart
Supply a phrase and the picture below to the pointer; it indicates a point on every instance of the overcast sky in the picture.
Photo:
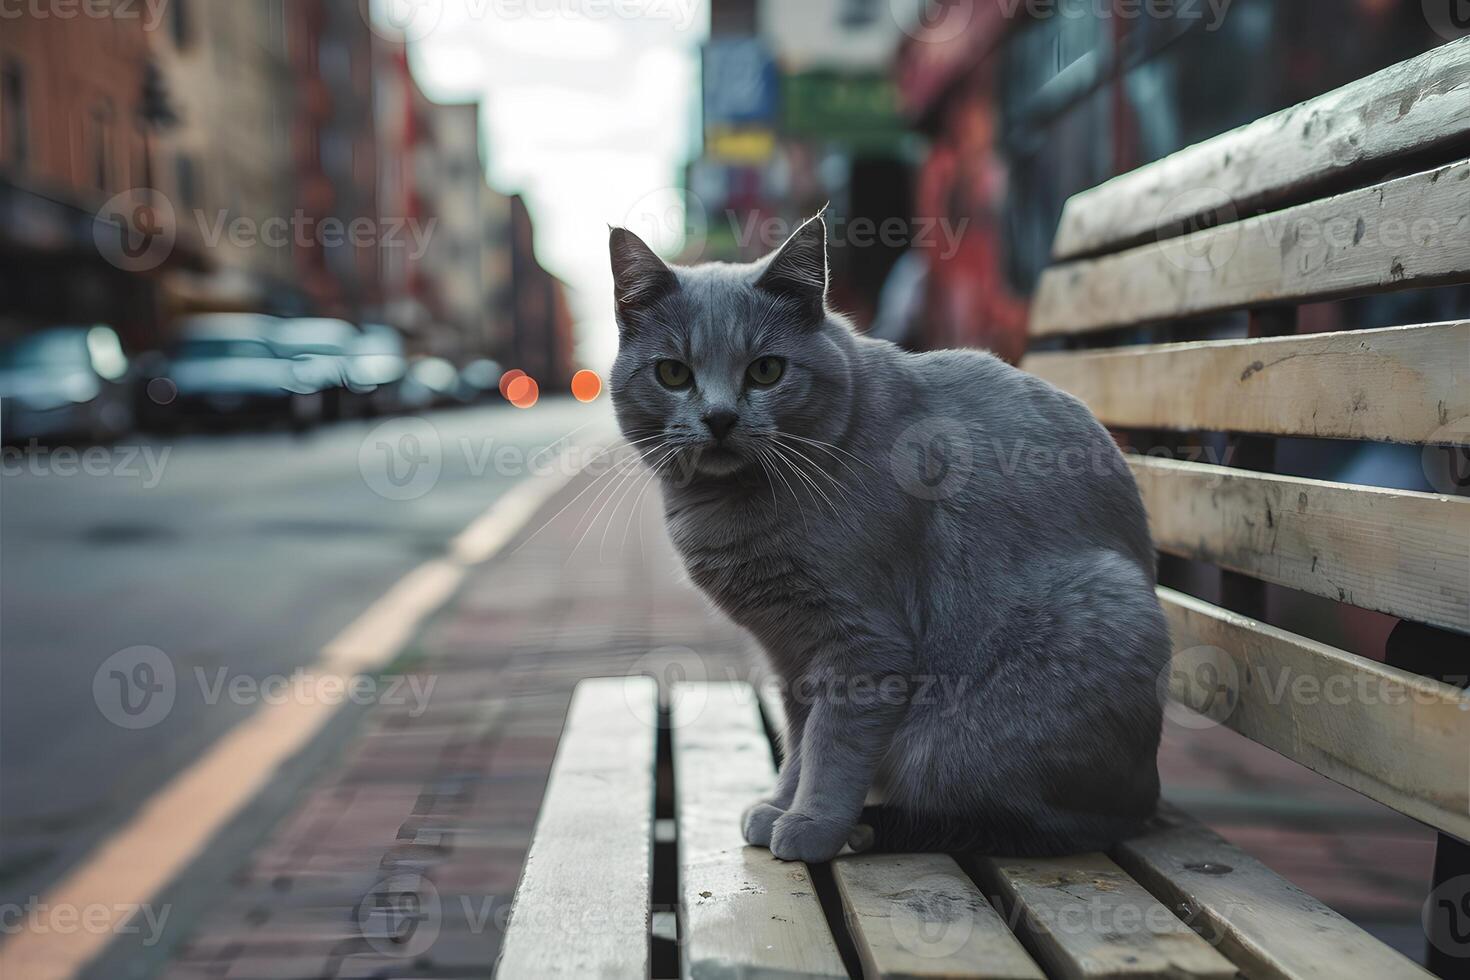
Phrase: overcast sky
(588, 112)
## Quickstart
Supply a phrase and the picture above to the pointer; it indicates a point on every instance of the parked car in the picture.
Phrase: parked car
(225, 369)
(319, 349)
(431, 382)
(480, 380)
(65, 382)
(376, 368)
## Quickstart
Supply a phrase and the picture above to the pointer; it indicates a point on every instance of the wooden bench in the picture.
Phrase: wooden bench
(638, 867)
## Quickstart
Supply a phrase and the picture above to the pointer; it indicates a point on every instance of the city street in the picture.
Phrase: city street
(236, 556)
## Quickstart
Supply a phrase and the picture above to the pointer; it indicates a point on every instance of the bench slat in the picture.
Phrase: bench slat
(1394, 736)
(1408, 108)
(1264, 923)
(595, 826)
(1403, 553)
(1084, 917)
(1410, 232)
(919, 915)
(745, 913)
(1396, 384)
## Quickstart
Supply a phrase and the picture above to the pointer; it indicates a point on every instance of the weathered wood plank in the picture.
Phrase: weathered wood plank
(1265, 924)
(1410, 232)
(1407, 554)
(1394, 736)
(919, 915)
(1408, 108)
(1396, 384)
(582, 906)
(1084, 917)
(745, 913)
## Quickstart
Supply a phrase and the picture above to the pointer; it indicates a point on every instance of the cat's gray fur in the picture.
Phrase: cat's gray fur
(983, 650)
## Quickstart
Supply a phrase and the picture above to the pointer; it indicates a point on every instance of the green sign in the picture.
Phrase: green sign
(861, 110)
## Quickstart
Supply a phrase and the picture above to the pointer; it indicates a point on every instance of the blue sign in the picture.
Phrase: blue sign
(741, 86)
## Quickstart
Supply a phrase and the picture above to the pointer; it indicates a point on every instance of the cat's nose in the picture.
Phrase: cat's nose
(720, 421)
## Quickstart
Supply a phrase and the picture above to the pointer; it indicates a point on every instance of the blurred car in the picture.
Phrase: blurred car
(319, 348)
(376, 368)
(224, 368)
(430, 383)
(480, 380)
(65, 382)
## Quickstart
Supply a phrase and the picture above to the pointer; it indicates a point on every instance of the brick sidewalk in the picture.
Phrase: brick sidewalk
(452, 794)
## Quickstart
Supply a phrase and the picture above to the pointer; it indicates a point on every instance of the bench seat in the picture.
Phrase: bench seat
(1176, 902)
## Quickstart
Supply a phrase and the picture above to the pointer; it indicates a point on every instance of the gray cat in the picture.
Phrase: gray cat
(944, 558)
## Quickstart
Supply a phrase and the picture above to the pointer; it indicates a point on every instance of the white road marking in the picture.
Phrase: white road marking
(174, 826)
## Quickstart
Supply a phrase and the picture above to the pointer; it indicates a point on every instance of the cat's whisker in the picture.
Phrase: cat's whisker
(808, 481)
(797, 500)
(832, 449)
(585, 490)
(838, 484)
(632, 485)
(628, 472)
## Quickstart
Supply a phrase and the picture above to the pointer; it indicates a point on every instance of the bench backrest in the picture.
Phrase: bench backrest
(1362, 191)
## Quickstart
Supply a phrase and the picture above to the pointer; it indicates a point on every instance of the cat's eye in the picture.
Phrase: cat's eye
(766, 371)
(673, 374)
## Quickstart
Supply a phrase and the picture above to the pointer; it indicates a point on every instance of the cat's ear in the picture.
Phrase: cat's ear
(799, 268)
(640, 278)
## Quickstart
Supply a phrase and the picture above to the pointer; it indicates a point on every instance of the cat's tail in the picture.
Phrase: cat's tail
(890, 829)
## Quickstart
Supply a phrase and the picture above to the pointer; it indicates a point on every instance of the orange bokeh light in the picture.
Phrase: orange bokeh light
(506, 379)
(586, 386)
(523, 392)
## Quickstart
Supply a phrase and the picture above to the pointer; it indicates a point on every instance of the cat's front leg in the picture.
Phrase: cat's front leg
(846, 734)
(760, 819)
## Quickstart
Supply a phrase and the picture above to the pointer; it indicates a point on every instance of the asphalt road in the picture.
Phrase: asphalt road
(234, 555)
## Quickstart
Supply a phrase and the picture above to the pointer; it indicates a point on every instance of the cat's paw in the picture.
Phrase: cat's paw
(758, 822)
(801, 837)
